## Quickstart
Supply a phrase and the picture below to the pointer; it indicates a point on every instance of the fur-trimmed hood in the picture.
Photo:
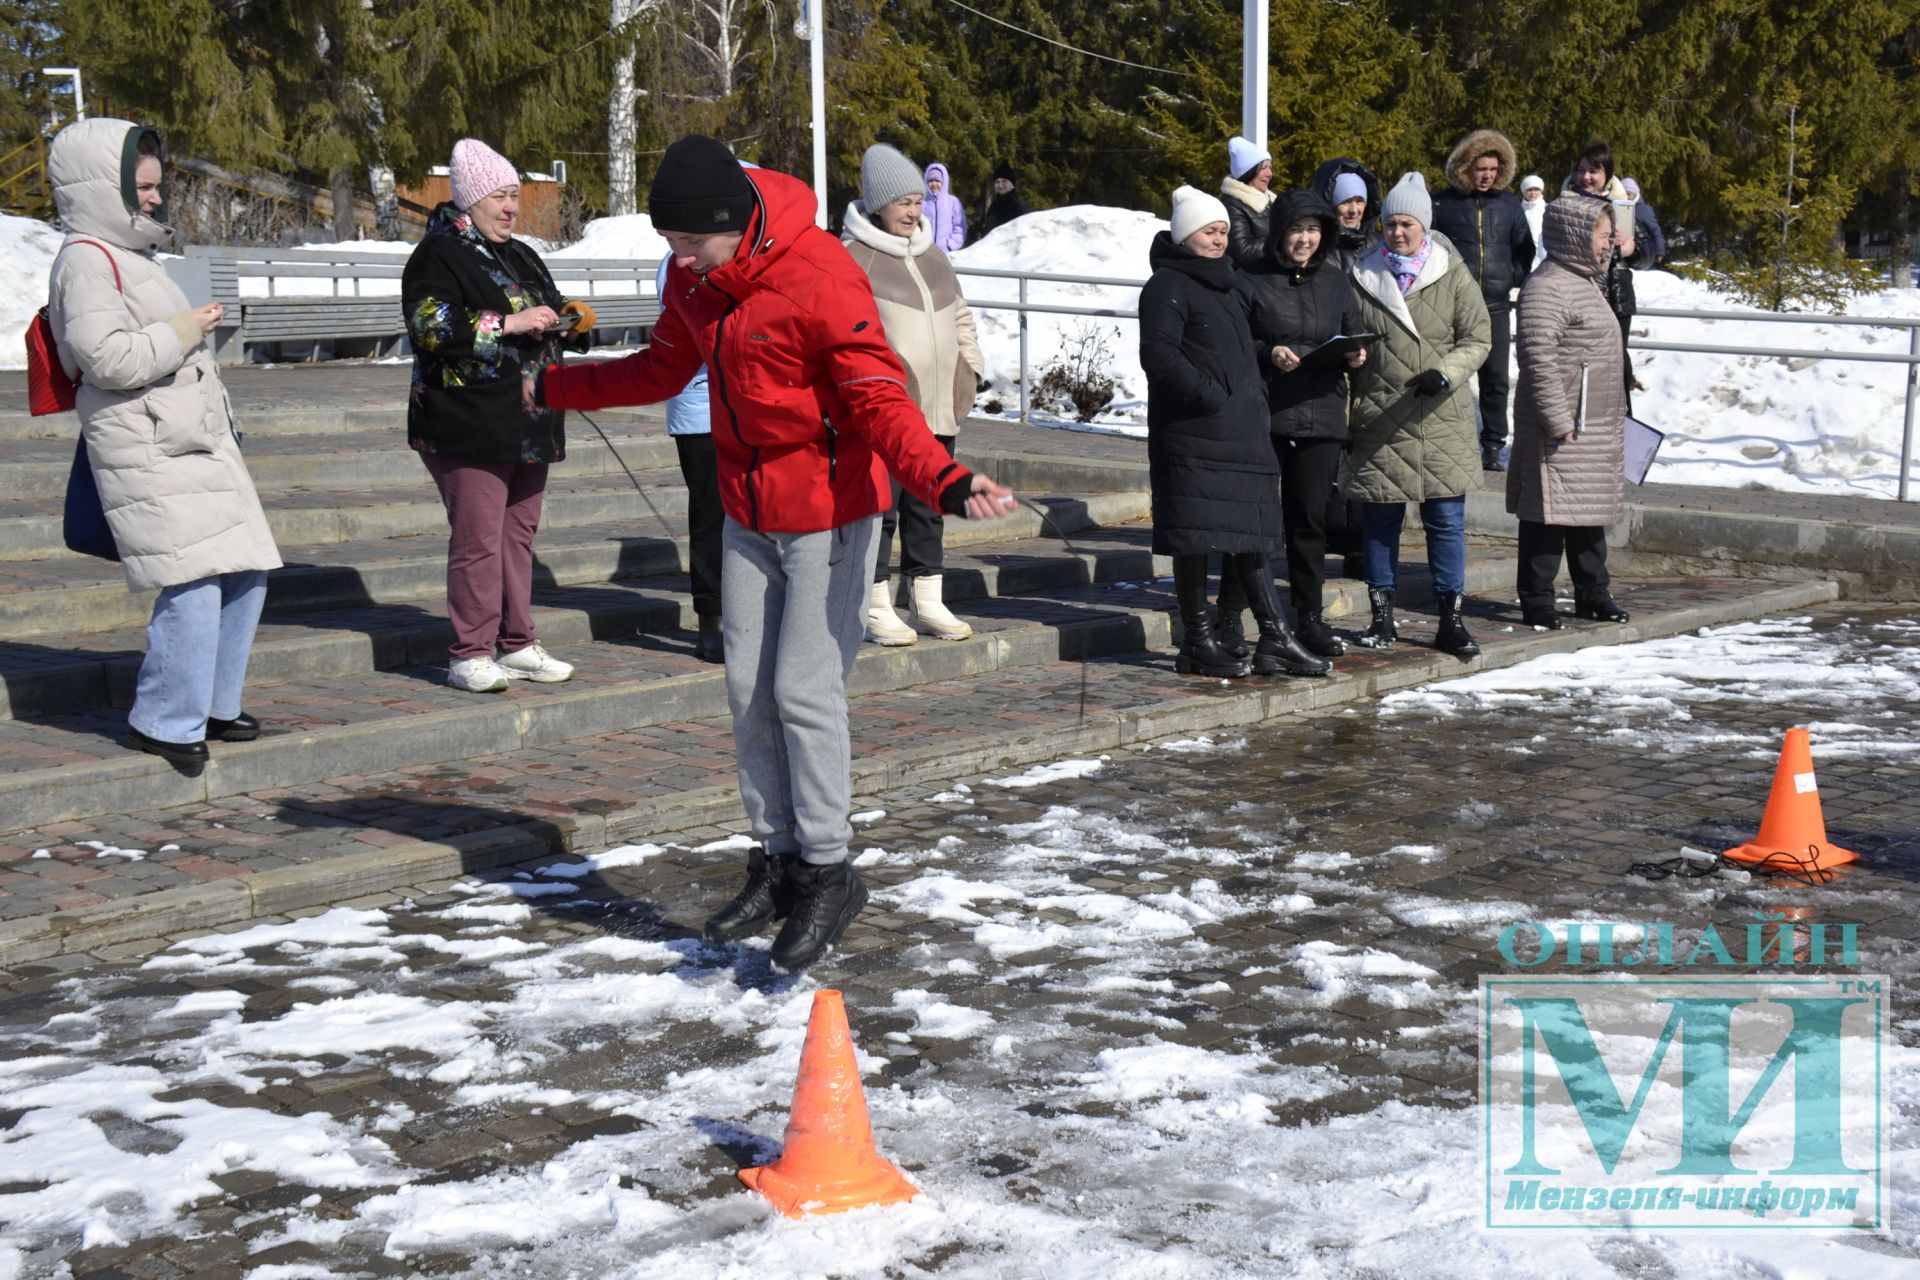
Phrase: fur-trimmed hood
(1476, 144)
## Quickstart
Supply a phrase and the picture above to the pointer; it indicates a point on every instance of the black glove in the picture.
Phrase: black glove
(1430, 382)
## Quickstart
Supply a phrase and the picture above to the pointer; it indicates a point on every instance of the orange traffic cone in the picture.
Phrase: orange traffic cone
(1793, 835)
(828, 1164)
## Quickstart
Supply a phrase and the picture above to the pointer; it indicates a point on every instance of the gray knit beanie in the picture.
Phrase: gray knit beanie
(885, 176)
(1409, 196)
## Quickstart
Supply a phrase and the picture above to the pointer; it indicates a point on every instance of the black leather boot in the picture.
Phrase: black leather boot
(711, 645)
(242, 728)
(1228, 634)
(825, 901)
(1380, 632)
(189, 758)
(1279, 653)
(1200, 652)
(1543, 618)
(1605, 609)
(768, 895)
(1316, 636)
(1452, 637)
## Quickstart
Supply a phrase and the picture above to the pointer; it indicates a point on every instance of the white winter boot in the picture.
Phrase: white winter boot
(883, 624)
(929, 615)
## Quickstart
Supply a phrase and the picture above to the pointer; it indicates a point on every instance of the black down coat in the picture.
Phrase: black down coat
(1352, 243)
(1214, 476)
(456, 293)
(1301, 307)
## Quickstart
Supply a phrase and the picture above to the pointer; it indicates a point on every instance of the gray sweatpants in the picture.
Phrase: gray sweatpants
(793, 607)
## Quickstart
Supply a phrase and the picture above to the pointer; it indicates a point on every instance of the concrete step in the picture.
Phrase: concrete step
(30, 527)
(63, 766)
(360, 460)
(282, 422)
(43, 598)
(570, 784)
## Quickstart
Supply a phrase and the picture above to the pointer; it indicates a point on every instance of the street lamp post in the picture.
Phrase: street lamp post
(817, 74)
(79, 95)
(1253, 75)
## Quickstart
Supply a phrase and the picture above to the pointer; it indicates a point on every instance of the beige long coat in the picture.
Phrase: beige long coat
(928, 323)
(1407, 447)
(1565, 327)
(156, 419)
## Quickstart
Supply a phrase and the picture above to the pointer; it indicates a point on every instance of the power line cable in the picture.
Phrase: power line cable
(1159, 71)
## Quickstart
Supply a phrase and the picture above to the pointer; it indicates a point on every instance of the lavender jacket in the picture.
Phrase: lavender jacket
(944, 211)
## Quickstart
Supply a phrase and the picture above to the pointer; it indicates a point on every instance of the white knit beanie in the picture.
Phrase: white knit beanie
(1192, 210)
(1532, 182)
(1243, 155)
(1409, 196)
(477, 172)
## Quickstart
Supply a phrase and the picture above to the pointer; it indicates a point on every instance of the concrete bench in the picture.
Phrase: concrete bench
(342, 301)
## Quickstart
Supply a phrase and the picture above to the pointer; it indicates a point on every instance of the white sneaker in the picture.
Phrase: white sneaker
(535, 664)
(883, 624)
(929, 615)
(476, 675)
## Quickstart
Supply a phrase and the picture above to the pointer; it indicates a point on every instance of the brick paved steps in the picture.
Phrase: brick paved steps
(43, 598)
(72, 764)
(555, 781)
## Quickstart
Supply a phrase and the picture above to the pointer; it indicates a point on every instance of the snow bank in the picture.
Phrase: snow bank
(26, 257)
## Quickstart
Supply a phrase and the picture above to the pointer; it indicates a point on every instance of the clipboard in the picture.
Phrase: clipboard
(1642, 446)
(1338, 347)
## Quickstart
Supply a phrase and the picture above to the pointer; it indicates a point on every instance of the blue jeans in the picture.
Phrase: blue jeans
(1446, 523)
(198, 642)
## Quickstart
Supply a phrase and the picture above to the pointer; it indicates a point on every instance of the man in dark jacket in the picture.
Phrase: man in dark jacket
(1005, 204)
(810, 414)
(1487, 224)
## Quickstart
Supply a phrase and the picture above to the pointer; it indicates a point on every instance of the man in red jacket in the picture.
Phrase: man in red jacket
(810, 413)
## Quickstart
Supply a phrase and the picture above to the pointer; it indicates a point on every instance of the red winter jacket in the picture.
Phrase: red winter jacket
(810, 406)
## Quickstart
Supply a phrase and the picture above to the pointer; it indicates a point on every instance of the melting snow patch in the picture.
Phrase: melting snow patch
(1058, 771)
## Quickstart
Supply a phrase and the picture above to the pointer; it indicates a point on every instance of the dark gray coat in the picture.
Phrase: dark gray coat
(1213, 473)
(1301, 307)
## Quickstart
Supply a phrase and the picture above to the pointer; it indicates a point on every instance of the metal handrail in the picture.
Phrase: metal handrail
(1911, 324)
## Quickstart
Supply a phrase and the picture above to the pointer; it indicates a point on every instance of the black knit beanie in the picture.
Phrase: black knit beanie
(1005, 170)
(700, 189)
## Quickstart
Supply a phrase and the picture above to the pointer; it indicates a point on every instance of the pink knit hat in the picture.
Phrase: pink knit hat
(477, 172)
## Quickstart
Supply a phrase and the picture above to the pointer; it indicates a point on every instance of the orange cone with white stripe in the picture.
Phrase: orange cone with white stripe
(1793, 834)
(829, 1163)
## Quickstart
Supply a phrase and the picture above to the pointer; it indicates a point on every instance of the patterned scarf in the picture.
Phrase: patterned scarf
(1406, 268)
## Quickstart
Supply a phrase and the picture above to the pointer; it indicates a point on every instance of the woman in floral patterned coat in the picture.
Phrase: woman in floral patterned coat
(482, 311)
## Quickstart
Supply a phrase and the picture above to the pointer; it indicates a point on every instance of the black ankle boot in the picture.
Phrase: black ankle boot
(825, 901)
(1228, 634)
(1605, 609)
(1545, 618)
(1200, 651)
(768, 895)
(1380, 632)
(1280, 654)
(711, 646)
(1452, 637)
(1316, 636)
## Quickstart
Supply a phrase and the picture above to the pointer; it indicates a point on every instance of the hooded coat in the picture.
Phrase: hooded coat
(456, 293)
(928, 323)
(1489, 228)
(1617, 283)
(1248, 220)
(157, 422)
(1409, 447)
(1301, 307)
(1352, 243)
(1566, 329)
(944, 211)
(810, 405)
(1210, 463)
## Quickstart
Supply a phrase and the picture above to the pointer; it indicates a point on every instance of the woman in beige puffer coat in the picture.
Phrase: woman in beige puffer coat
(930, 327)
(160, 436)
(1566, 480)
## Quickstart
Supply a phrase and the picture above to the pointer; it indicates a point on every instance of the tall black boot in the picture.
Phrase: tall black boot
(1278, 652)
(1200, 652)
(1228, 631)
(826, 898)
(1381, 632)
(1452, 637)
(766, 896)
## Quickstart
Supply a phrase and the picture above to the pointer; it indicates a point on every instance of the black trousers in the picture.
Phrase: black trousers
(1494, 382)
(1541, 547)
(704, 519)
(1245, 575)
(922, 530)
(1307, 501)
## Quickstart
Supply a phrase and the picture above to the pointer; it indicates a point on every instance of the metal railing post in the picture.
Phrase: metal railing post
(1906, 434)
(1023, 350)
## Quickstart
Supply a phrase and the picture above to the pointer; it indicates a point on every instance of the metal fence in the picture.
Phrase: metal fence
(1911, 359)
